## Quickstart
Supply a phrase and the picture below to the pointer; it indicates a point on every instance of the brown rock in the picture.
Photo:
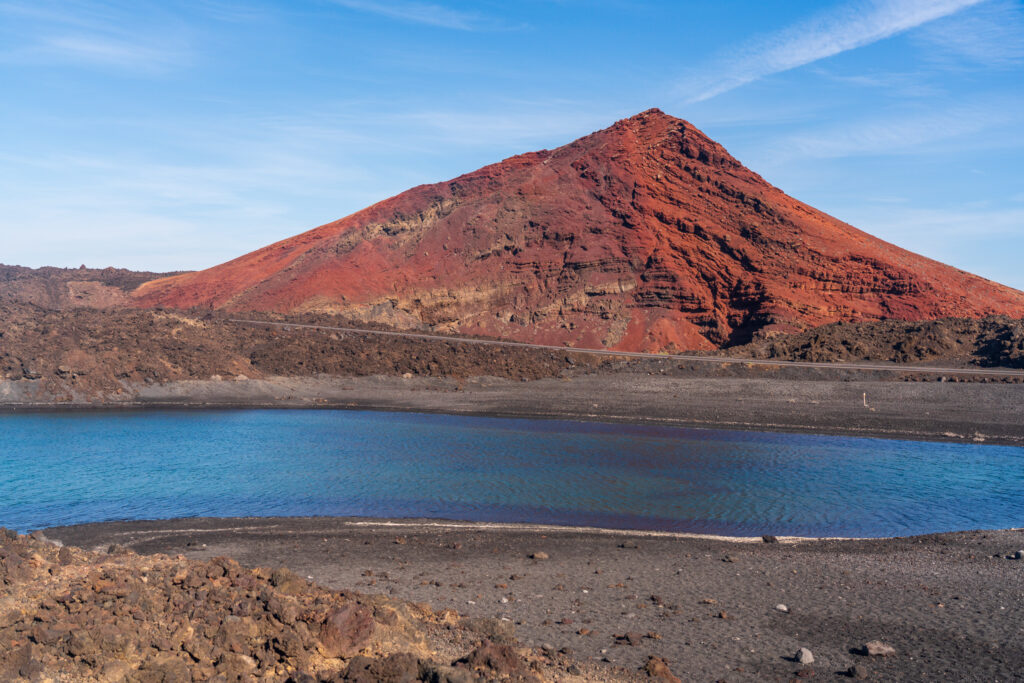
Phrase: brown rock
(657, 668)
(64, 557)
(631, 638)
(164, 668)
(396, 668)
(288, 582)
(25, 662)
(346, 630)
(236, 666)
(502, 660)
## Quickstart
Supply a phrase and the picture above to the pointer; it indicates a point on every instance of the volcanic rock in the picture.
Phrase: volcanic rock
(646, 236)
(346, 630)
(137, 618)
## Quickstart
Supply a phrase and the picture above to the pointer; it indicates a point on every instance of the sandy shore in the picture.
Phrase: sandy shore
(854, 404)
(951, 605)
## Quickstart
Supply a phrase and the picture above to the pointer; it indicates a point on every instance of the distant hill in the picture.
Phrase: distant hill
(645, 236)
(63, 288)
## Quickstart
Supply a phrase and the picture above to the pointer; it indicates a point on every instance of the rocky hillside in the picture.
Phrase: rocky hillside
(94, 354)
(84, 354)
(63, 288)
(644, 236)
(988, 342)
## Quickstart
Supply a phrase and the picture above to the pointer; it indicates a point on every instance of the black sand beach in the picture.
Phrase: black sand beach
(762, 399)
(951, 605)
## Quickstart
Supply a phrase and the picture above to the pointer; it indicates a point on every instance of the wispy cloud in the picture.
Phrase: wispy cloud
(231, 185)
(955, 236)
(105, 50)
(991, 34)
(906, 84)
(522, 125)
(141, 39)
(421, 13)
(852, 26)
(898, 134)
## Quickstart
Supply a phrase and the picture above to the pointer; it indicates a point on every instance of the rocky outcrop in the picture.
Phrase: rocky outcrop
(645, 236)
(65, 288)
(988, 342)
(71, 615)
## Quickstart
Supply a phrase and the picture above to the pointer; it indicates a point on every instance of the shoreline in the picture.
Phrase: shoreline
(610, 599)
(677, 423)
(441, 524)
(939, 412)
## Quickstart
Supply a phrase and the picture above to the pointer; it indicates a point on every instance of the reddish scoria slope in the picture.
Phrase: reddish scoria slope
(644, 236)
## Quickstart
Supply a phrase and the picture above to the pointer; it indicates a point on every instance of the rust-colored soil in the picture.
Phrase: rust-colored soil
(644, 236)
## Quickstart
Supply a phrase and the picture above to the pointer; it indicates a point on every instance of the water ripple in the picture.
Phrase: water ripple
(63, 469)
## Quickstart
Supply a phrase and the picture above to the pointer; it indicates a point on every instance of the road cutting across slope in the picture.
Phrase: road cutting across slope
(873, 367)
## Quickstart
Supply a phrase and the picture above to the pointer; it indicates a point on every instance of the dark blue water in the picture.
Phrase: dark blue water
(71, 468)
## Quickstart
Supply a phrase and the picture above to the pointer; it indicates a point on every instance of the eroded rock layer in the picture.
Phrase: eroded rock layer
(645, 236)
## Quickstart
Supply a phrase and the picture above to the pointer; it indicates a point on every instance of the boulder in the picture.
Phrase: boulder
(346, 630)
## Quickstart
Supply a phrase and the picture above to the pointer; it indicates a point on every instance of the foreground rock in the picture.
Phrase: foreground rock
(69, 614)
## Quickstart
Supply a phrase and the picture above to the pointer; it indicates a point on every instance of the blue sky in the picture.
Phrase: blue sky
(166, 135)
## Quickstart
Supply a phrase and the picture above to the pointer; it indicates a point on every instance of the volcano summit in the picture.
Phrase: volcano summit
(644, 236)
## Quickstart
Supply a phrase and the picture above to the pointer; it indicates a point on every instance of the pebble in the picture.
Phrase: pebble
(538, 556)
(781, 608)
(804, 656)
(877, 648)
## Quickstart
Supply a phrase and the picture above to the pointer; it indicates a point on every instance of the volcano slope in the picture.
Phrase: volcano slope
(645, 236)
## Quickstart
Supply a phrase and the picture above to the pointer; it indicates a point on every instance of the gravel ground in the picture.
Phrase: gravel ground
(951, 605)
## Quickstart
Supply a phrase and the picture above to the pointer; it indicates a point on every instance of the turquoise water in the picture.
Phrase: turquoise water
(71, 468)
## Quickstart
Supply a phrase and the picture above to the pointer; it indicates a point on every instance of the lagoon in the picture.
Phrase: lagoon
(69, 468)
